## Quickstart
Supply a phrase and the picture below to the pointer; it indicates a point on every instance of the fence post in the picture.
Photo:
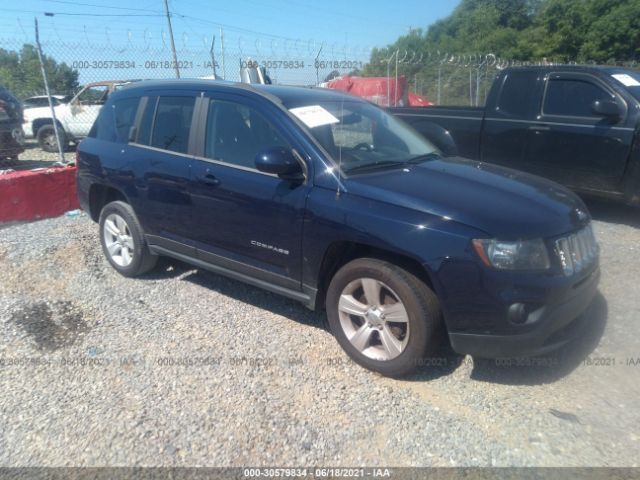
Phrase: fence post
(439, 81)
(46, 89)
(224, 71)
(213, 57)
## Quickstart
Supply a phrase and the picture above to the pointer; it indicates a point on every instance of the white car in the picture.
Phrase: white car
(74, 118)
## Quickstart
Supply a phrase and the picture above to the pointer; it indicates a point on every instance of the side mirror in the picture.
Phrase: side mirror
(606, 108)
(279, 161)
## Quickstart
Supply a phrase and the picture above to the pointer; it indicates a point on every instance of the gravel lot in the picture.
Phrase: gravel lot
(186, 368)
(34, 157)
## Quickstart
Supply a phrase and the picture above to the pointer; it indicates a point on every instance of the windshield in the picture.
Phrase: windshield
(362, 137)
(630, 79)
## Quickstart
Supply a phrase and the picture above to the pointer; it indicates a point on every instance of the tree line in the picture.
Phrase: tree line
(20, 73)
(583, 31)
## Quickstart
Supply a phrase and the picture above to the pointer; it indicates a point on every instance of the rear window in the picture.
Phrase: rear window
(517, 97)
(115, 121)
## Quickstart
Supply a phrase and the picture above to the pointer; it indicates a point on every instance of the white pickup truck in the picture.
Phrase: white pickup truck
(74, 118)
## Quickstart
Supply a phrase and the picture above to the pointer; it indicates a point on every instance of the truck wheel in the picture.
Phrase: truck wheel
(382, 316)
(47, 138)
(123, 240)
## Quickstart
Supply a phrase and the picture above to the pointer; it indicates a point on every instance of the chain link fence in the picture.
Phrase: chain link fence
(82, 73)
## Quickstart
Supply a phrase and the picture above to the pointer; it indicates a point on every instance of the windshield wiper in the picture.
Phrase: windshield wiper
(423, 158)
(376, 166)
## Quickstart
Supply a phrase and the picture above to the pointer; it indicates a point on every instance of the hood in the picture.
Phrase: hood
(503, 203)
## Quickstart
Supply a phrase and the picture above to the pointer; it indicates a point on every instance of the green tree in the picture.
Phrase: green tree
(20, 73)
(443, 59)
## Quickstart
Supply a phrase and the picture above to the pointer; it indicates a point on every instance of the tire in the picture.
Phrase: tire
(47, 138)
(123, 242)
(366, 337)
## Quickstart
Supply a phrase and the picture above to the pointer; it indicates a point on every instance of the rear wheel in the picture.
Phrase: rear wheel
(47, 138)
(384, 317)
(123, 240)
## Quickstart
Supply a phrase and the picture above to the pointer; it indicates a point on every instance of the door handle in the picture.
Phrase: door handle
(540, 128)
(209, 179)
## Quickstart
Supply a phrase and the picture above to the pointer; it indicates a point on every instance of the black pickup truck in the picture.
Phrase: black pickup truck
(577, 125)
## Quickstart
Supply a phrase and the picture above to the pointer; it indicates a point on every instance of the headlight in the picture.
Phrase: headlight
(520, 255)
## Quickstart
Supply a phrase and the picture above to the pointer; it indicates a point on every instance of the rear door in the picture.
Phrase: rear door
(573, 145)
(509, 116)
(246, 220)
(160, 160)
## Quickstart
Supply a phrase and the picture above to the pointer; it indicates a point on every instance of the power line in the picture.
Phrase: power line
(50, 14)
(101, 6)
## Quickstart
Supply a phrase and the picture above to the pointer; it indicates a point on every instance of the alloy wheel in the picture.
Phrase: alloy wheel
(118, 240)
(374, 319)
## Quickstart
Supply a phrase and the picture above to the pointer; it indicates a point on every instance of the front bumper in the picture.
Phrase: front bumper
(552, 330)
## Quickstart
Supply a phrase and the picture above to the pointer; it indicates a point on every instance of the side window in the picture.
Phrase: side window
(236, 133)
(171, 123)
(353, 130)
(115, 121)
(516, 94)
(94, 95)
(572, 97)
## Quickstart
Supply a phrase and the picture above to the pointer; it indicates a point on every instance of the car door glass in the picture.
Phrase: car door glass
(572, 98)
(172, 123)
(114, 123)
(236, 133)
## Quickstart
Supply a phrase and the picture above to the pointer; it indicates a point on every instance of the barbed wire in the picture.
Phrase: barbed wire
(479, 60)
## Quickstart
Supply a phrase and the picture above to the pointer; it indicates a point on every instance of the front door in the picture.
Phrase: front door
(84, 109)
(244, 219)
(573, 145)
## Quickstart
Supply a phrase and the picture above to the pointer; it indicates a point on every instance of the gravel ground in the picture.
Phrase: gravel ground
(34, 157)
(186, 368)
(33, 152)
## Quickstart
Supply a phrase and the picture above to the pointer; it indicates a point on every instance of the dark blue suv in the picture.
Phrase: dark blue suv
(329, 200)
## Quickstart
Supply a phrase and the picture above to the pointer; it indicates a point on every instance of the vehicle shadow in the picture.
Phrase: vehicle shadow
(444, 361)
(610, 212)
(170, 268)
(554, 366)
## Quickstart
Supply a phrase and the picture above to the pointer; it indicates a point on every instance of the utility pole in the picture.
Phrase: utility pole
(173, 45)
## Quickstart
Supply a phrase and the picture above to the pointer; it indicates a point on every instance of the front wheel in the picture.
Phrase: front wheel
(384, 317)
(123, 240)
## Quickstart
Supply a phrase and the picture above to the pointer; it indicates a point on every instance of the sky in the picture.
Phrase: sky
(269, 30)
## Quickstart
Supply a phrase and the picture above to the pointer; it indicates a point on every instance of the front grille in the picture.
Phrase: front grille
(577, 251)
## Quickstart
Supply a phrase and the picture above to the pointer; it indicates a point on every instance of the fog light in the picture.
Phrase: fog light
(517, 313)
